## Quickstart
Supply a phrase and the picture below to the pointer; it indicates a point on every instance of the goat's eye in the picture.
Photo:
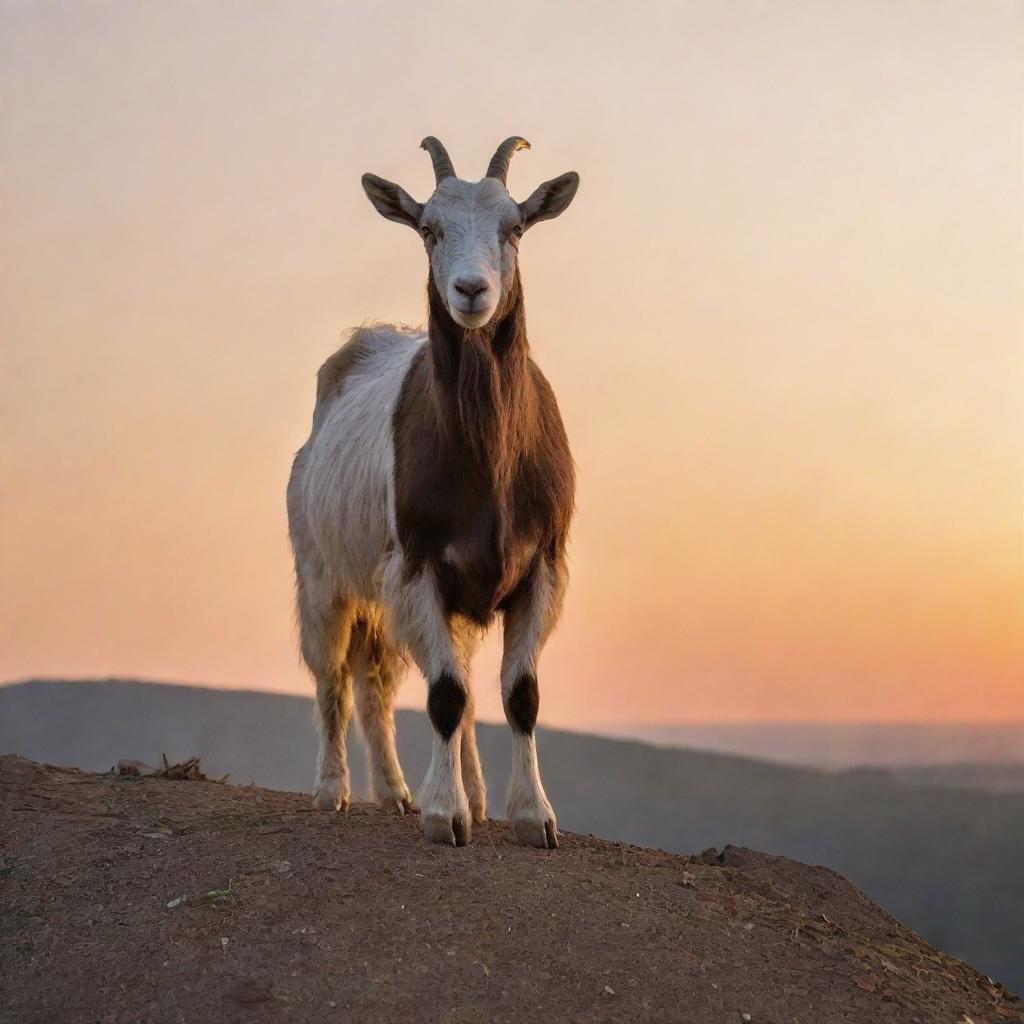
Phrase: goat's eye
(516, 232)
(429, 235)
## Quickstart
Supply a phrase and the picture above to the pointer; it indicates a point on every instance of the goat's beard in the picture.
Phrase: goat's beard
(483, 371)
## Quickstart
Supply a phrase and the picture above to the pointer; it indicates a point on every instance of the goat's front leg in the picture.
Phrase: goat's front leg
(528, 621)
(418, 619)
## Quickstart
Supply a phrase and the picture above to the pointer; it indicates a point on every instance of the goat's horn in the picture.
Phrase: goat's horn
(439, 157)
(498, 167)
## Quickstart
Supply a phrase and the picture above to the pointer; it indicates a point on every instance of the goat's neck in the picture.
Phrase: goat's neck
(481, 381)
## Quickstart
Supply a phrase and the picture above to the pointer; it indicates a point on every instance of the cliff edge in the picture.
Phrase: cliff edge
(127, 899)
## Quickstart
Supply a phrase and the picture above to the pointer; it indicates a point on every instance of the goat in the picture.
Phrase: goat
(434, 492)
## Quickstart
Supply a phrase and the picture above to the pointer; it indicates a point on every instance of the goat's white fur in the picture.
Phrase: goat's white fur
(341, 519)
(341, 508)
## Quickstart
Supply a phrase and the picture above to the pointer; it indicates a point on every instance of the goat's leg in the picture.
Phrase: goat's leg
(376, 671)
(417, 619)
(334, 709)
(324, 627)
(472, 775)
(528, 622)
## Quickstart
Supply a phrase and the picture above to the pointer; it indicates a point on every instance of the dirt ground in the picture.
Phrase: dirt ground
(155, 900)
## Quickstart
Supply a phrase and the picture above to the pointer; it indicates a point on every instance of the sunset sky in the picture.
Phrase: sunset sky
(783, 319)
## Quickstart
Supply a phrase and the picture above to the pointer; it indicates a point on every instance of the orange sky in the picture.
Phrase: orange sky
(783, 319)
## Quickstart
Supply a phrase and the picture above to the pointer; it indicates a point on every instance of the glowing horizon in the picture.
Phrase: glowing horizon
(782, 319)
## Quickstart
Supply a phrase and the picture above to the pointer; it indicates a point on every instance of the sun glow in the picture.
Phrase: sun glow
(782, 319)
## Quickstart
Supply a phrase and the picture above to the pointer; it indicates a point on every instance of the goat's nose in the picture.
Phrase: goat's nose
(470, 287)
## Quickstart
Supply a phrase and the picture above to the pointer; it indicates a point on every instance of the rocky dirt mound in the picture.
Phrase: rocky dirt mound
(135, 899)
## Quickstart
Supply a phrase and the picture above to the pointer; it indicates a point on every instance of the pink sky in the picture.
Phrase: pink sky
(783, 319)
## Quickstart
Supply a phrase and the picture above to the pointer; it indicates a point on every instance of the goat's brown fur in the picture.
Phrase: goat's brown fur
(484, 480)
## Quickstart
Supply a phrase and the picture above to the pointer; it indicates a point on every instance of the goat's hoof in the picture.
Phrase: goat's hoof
(392, 794)
(397, 804)
(477, 796)
(454, 831)
(329, 796)
(477, 809)
(541, 834)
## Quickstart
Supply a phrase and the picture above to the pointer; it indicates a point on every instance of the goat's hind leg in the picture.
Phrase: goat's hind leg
(376, 672)
(472, 774)
(325, 626)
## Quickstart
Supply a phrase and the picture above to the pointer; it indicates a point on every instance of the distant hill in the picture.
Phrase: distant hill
(841, 745)
(946, 860)
(993, 778)
(129, 899)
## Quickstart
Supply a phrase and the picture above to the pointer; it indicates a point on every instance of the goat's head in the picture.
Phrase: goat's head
(471, 230)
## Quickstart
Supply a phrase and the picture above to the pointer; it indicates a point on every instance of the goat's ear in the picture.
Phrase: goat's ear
(392, 201)
(550, 199)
